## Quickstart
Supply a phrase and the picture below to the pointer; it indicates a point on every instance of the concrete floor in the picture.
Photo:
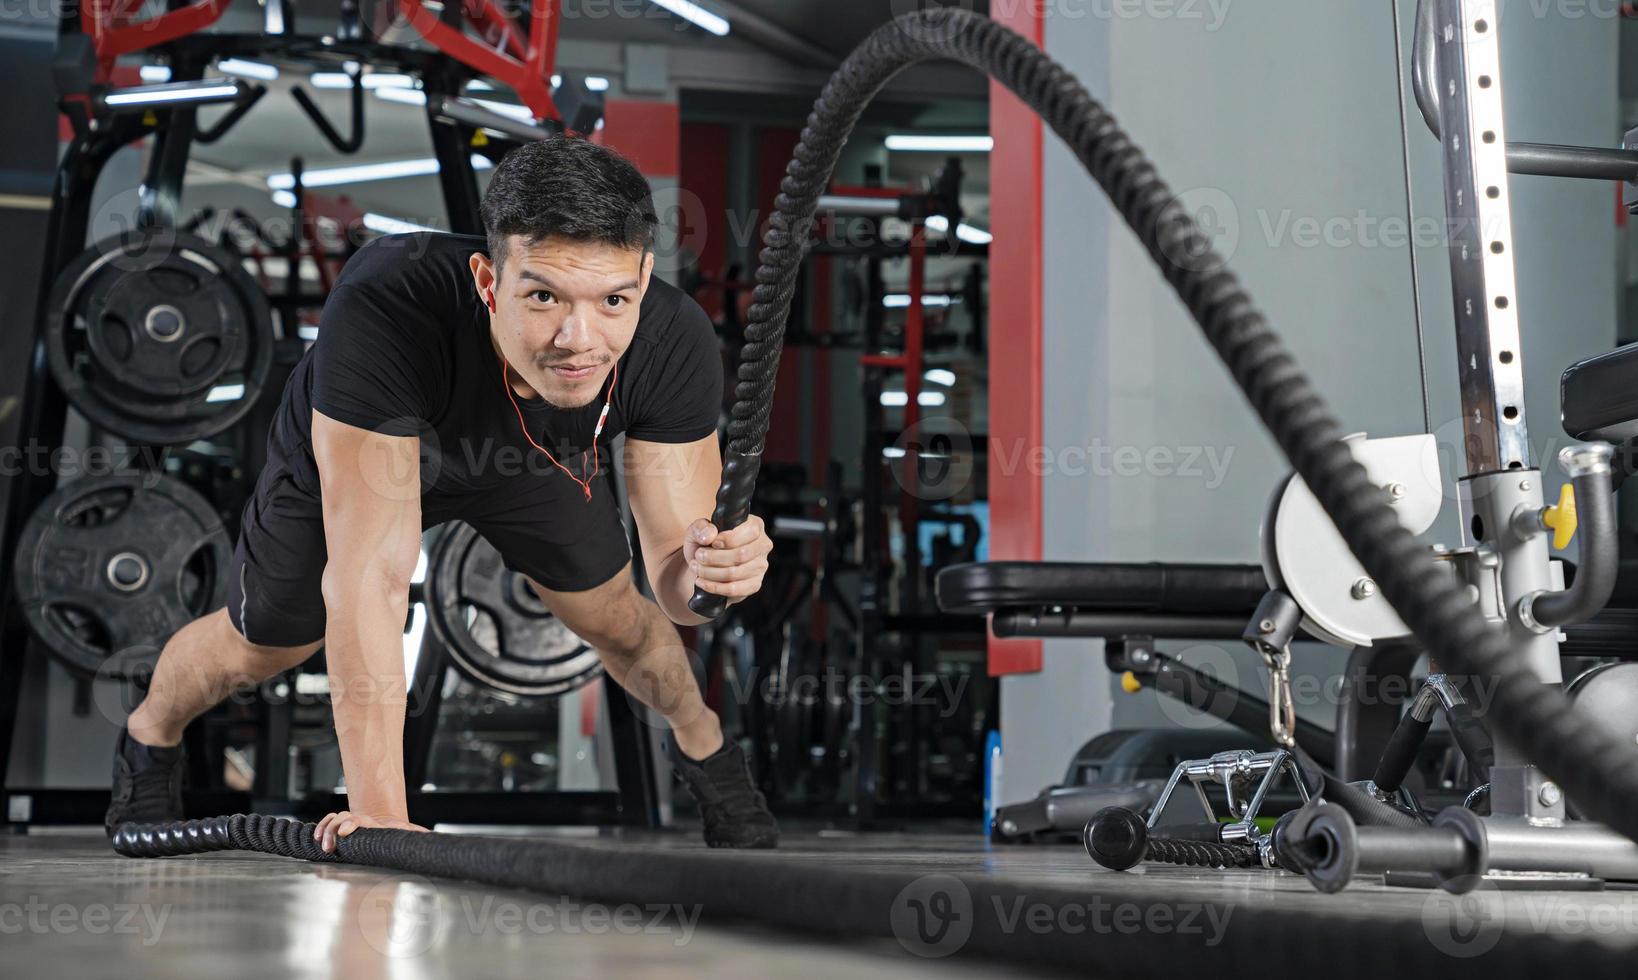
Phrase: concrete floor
(71, 908)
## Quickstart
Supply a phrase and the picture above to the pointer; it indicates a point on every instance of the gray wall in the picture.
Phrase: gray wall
(1279, 123)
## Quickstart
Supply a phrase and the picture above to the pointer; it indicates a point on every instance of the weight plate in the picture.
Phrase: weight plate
(496, 630)
(159, 337)
(108, 568)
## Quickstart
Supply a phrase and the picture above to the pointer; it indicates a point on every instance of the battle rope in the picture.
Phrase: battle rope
(1594, 767)
(1598, 770)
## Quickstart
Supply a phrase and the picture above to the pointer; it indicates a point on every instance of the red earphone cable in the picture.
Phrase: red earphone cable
(585, 484)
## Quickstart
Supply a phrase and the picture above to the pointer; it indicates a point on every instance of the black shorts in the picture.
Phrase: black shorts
(541, 523)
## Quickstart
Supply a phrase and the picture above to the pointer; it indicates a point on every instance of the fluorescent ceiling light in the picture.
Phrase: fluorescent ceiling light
(154, 73)
(391, 226)
(307, 331)
(596, 83)
(898, 301)
(557, 81)
(197, 92)
(406, 96)
(964, 231)
(226, 393)
(284, 199)
(248, 69)
(899, 399)
(941, 376)
(371, 80)
(940, 144)
(365, 172)
(696, 15)
(519, 112)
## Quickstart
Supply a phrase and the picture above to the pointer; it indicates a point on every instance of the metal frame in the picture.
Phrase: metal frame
(1501, 477)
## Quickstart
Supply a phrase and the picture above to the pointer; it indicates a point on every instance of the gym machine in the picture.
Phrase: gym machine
(108, 567)
(1517, 829)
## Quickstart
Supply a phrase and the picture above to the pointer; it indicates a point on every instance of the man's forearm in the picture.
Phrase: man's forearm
(673, 584)
(365, 653)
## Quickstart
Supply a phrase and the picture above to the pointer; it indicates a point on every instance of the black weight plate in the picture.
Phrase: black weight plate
(172, 329)
(151, 333)
(497, 632)
(108, 568)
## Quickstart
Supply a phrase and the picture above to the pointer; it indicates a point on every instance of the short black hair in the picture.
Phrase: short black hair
(567, 187)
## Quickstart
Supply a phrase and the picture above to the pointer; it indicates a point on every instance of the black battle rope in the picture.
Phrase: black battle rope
(1200, 854)
(815, 893)
(1594, 767)
(1598, 770)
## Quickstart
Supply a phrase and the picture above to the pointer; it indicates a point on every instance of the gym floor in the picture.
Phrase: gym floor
(955, 908)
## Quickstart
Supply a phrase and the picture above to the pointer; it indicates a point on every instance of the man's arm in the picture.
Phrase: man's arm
(673, 490)
(371, 488)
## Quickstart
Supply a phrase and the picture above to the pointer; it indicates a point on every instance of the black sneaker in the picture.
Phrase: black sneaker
(147, 783)
(736, 815)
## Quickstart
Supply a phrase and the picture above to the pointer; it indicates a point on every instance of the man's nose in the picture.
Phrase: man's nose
(574, 334)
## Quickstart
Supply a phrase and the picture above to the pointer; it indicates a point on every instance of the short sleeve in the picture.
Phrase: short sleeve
(371, 370)
(684, 396)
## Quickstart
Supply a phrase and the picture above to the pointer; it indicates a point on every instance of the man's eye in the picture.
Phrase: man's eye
(615, 302)
(541, 296)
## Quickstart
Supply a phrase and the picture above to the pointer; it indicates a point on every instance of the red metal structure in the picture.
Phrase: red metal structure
(112, 31)
(525, 65)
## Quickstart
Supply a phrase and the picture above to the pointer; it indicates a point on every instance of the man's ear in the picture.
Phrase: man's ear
(483, 277)
(646, 271)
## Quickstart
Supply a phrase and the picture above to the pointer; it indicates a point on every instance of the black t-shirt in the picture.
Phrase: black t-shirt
(403, 348)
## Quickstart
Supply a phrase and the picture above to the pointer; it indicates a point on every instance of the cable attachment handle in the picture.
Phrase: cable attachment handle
(1272, 628)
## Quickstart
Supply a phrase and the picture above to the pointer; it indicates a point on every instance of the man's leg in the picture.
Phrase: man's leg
(641, 650)
(204, 662)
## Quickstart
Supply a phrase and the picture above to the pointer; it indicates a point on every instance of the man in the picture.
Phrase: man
(450, 381)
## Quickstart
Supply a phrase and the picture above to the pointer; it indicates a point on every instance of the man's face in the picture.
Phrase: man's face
(564, 312)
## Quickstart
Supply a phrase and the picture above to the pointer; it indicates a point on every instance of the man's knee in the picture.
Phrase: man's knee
(291, 654)
(617, 622)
